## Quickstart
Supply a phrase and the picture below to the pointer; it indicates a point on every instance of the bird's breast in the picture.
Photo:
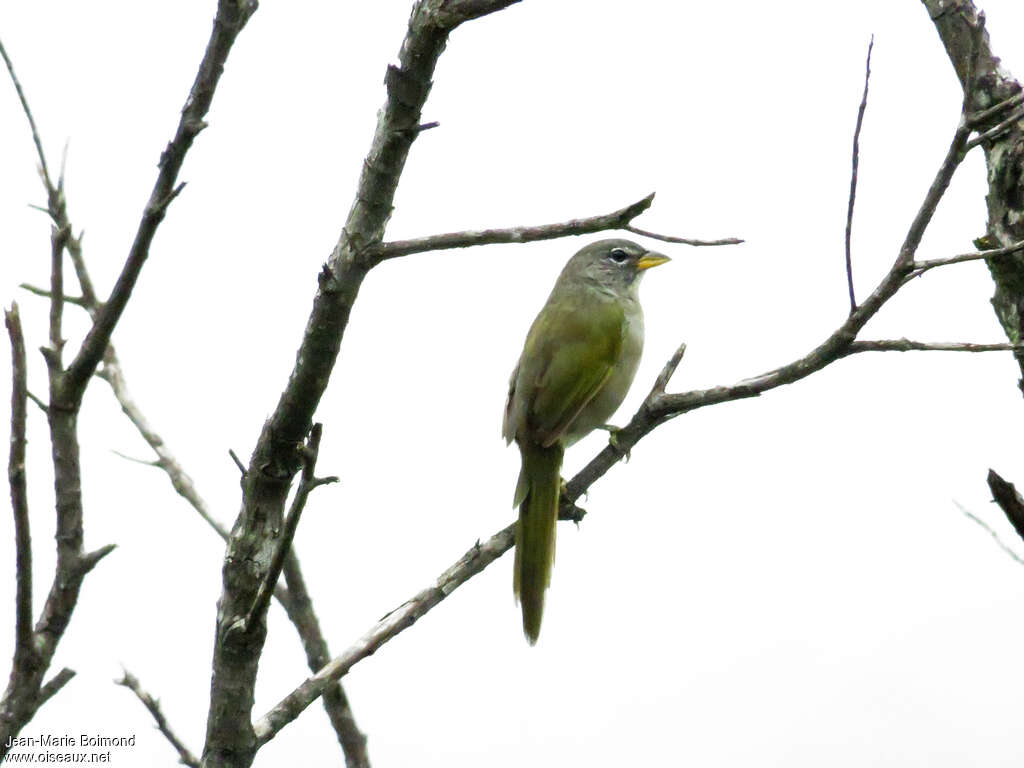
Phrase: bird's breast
(608, 399)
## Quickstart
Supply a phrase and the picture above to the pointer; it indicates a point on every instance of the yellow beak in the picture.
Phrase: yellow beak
(651, 259)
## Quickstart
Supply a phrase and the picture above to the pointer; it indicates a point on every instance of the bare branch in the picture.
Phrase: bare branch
(991, 92)
(920, 267)
(831, 349)
(45, 293)
(682, 240)
(475, 560)
(1002, 545)
(906, 345)
(90, 560)
(134, 460)
(232, 16)
(661, 383)
(181, 481)
(89, 300)
(230, 740)
(43, 170)
(375, 254)
(58, 239)
(981, 117)
(54, 685)
(295, 598)
(300, 611)
(24, 653)
(306, 486)
(238, 461)
(129, 681)
(38, 402)
(67, 387)
(853, 176)
(995, 131)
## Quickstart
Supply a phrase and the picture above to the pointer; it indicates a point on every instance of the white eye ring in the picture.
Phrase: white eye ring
(618, 255)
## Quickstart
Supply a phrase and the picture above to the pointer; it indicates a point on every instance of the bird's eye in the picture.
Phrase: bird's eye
(618, 255)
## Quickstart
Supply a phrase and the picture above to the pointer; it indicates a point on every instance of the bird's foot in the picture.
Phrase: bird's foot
(613, 440)
(568, 510)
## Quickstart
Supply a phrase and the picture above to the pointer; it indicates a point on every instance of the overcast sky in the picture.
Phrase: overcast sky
(784, 581)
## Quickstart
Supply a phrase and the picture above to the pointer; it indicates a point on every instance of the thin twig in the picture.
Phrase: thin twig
(31, 121)
(682, 240)
(661, 383)
(920, 267)
(906, 345)
(615, 220)
(38, 402)
(978, 118)
(24, 653)
(475, 560)
(181, 481)
(89, 299)
(306, 486)
(58, 239)
(135, 460)
(45, 293)
(300, 611)
(853, 177)
(991, 532)
(231, 18)
(238, 461)
(129, 681)
(55, 684)
(294, 597)
(67, 387)
(996, 131)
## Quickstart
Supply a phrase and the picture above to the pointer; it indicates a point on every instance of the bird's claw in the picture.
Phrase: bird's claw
(613, 440)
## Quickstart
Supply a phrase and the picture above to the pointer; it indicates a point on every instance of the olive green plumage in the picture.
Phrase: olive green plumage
(577, 364)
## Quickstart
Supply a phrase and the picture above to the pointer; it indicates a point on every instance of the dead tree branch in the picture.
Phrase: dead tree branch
(990, 531)
(619, 219)
(906, 345)
(43, 169)
(24, 652)
(129, 681)
(231, 18)
(294, 597)
(479, 556)
(682, 240)
(992, 97)
(920, 267)
(230, 739)
(853, 178)
(310, 451)
(67, 386)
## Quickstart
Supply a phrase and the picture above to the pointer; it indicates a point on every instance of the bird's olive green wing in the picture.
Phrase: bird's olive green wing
(575, 347)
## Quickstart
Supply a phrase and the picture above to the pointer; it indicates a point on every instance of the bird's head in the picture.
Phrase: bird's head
(614, 265)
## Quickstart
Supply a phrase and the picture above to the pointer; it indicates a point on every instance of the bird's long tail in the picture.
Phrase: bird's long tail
(537, 496)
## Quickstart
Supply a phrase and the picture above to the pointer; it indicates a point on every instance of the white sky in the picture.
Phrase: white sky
(782, 582)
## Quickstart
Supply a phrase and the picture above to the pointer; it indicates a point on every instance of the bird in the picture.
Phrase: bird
(577, 364)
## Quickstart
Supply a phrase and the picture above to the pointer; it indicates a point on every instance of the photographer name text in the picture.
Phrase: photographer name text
(71, 740)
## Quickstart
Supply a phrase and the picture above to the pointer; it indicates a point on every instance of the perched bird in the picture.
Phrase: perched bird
(577, 364)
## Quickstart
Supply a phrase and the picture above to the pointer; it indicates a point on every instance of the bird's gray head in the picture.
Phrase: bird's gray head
(613, 265)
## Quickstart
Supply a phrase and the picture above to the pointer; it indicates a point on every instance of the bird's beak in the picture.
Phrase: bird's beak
(651, 259)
